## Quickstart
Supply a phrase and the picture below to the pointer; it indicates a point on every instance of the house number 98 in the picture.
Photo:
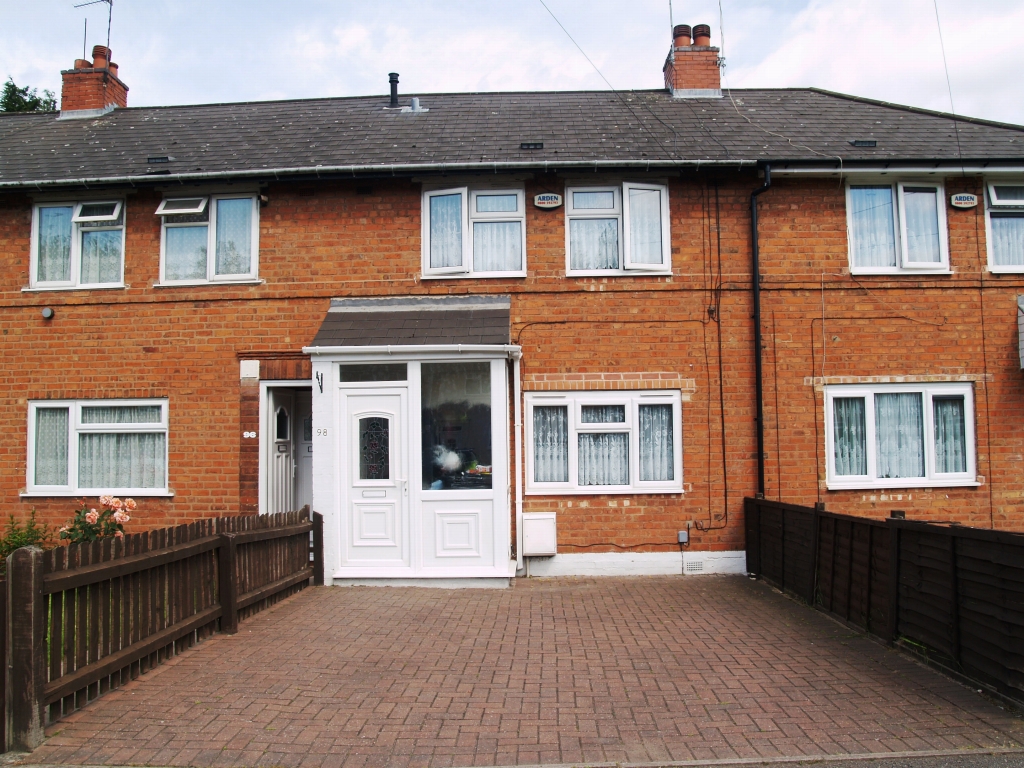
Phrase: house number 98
(321, 433)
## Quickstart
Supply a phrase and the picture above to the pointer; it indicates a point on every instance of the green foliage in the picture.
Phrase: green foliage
(23, 535)
(15, 99)
(91, 524)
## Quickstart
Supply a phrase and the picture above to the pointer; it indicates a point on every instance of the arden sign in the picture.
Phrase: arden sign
(547, 200)
(963, 200)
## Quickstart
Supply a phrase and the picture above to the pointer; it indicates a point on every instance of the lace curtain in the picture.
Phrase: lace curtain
(497, 246)
(51, 448)
(899, 434)
(121, 460)
(234, 236)
(604, 458)
(1007, 240)
(446, 231)
(656, 444)
(603, 414)
(185, 253)
(873, 238)
(645, 226)
(849, 436)
(594, 243)
(950, 434)
(101, 256)
(54, 251)
(921, 211)
(550, 444)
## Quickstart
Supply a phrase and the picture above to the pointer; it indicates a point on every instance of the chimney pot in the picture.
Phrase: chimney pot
(100, 56)
(112, 68)
(702, 35)
(681, 35)
(83, 64)
(92, 86)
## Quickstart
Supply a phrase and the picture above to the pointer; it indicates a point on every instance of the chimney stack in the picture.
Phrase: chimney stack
(92, 88)
(692, 69)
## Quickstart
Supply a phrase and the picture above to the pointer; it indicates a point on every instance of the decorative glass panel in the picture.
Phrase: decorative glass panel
(307, 429)
(497, 246)
(603, 414)
(593, 200)
(594, 243)
(497, 203)
(446, 231)
(121, 414)
(54, 246)
(849, 436)
(281, 425)
(374, 448)
(950, 434)
(604, 459)
(921, 206)
(185, 253)
(109, 461)
(645, 245)
(101, 256)
(872, 236)
(551, 444)
(657, 457)
(1007, 239)
(456, 425)
(899, 435)
(373, 372)
(234, 236)
(51, 446)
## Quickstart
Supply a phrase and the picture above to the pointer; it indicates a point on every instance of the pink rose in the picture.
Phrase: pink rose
(65, 529)
(130, 505)
(105, 500)
(115, 503)
(121, 517)
(92, 517)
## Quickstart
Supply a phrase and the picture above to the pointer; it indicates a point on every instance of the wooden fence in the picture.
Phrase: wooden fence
(951, 594)
(87, 618)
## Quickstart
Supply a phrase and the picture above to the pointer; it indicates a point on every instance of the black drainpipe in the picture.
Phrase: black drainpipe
(758, 374)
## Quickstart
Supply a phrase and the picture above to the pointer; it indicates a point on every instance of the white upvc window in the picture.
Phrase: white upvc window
(474, 232)
(1004, 220)
(899, 436)
(207, 239)
(97, 447)
(604, 442)
(617, 229)
(897, 227)
(77, 245)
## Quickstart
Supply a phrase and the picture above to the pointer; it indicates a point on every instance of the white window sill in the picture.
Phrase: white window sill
(619, 273)
(1011, 269)
(903, 484)
(901, 272)
(602, 490)
(47, 289)
(194, 283)
(475, 275)
(148, 493)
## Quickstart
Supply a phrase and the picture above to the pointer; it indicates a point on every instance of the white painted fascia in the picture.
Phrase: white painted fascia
(894, 170)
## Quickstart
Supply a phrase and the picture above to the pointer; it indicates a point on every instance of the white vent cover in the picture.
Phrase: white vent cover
(694, 566)
(539, 534)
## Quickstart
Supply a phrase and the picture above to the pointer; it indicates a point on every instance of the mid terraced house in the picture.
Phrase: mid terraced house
(472, 327)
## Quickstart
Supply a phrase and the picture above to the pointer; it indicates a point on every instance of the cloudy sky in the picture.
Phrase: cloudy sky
(195, 51)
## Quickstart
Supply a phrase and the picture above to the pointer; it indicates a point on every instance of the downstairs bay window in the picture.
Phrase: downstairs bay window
(899, 436)
(95, 447)
(604, 442)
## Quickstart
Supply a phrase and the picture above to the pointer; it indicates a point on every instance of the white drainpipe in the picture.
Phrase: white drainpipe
(517, 389)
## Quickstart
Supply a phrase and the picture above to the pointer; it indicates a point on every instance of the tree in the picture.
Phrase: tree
(15, 99)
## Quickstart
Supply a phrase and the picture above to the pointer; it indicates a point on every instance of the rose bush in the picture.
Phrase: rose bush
(91, 524)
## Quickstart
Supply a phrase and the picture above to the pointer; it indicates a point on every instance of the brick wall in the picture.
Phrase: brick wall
(693, 67)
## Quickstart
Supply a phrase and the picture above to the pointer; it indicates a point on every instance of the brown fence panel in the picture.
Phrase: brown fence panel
(781, 545)
(853, 570)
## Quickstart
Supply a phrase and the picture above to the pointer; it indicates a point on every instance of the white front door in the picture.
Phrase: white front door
(281, 474)
(375, 525)
(303, 449)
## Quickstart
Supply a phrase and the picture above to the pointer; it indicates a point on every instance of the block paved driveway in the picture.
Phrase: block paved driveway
(549, 671)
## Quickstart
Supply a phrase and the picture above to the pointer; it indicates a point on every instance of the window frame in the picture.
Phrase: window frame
(469, 195)
(76, 426)
(574, 402)
(1014, 209)
(210, 206)
(904, 265)
(931, 478)
(620, 212)
(75, 254)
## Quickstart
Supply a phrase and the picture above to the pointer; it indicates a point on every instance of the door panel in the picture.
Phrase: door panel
(281, 466)
(304, 449)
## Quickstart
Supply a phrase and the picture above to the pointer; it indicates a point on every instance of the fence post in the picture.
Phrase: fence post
(819, 507)
(228, 587)
(318, 549)
(26, 649)
(893, 629)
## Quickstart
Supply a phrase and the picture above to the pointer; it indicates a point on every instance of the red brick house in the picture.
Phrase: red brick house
(445, 319)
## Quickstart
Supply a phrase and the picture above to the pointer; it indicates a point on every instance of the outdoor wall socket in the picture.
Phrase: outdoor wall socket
(684, 537)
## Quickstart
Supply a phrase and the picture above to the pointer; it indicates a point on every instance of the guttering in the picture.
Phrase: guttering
(903, 167)
(389, 169)
(512, 351)
(758, 373)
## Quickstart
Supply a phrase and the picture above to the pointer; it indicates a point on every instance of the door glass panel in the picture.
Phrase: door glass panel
(374, 444)
(373, 372)
(456, 421)
(281, 429)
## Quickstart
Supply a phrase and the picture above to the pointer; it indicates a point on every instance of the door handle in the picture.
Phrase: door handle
(405, 487)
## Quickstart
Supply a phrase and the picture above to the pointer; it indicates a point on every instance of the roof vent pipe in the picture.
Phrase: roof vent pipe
(681, 35)
(393, 79)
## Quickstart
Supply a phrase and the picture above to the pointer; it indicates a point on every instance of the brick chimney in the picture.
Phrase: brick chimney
(92, 88)
(692, 68)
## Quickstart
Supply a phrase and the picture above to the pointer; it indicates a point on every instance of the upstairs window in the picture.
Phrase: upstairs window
(897, 227)
(1005, 213)
(617, 229)
(209, 239)
(477, 232)
(78, 245)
